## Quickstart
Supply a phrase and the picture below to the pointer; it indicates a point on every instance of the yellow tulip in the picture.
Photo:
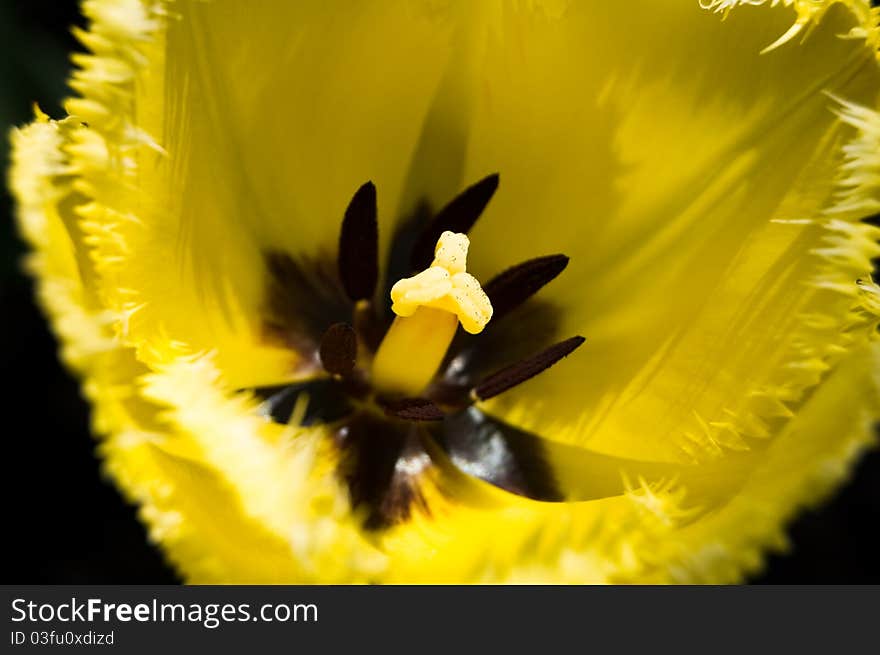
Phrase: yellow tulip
(218, 224)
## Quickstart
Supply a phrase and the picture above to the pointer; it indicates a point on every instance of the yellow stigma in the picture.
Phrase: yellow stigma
(429, 307)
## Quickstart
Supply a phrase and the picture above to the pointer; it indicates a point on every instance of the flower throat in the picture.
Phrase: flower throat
(402, 387)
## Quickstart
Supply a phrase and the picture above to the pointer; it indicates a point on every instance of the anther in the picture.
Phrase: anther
(513, 287)
(511, 376)
(413, 409)
(338, 350)
(358, 258)
(458, 216)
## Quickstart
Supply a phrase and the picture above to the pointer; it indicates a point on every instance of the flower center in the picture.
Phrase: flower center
(397, 387)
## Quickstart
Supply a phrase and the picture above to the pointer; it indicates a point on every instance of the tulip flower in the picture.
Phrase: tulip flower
(466, 291)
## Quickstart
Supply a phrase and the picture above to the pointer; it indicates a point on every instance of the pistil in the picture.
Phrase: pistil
(429, 307)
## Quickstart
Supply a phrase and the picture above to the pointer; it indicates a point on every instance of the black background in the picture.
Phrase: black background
(65, 524)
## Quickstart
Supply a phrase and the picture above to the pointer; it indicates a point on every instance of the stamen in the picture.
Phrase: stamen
(413, 409)
(358, 257)
(338, 351)
(513, 287)
(518, 373)
(458, 216)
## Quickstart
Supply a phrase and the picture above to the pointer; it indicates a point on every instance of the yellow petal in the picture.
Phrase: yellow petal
(660, 531)
(256, 144)
(695, 183)
(197, 462)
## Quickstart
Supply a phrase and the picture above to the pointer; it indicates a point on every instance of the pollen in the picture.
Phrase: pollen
(445, 285)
